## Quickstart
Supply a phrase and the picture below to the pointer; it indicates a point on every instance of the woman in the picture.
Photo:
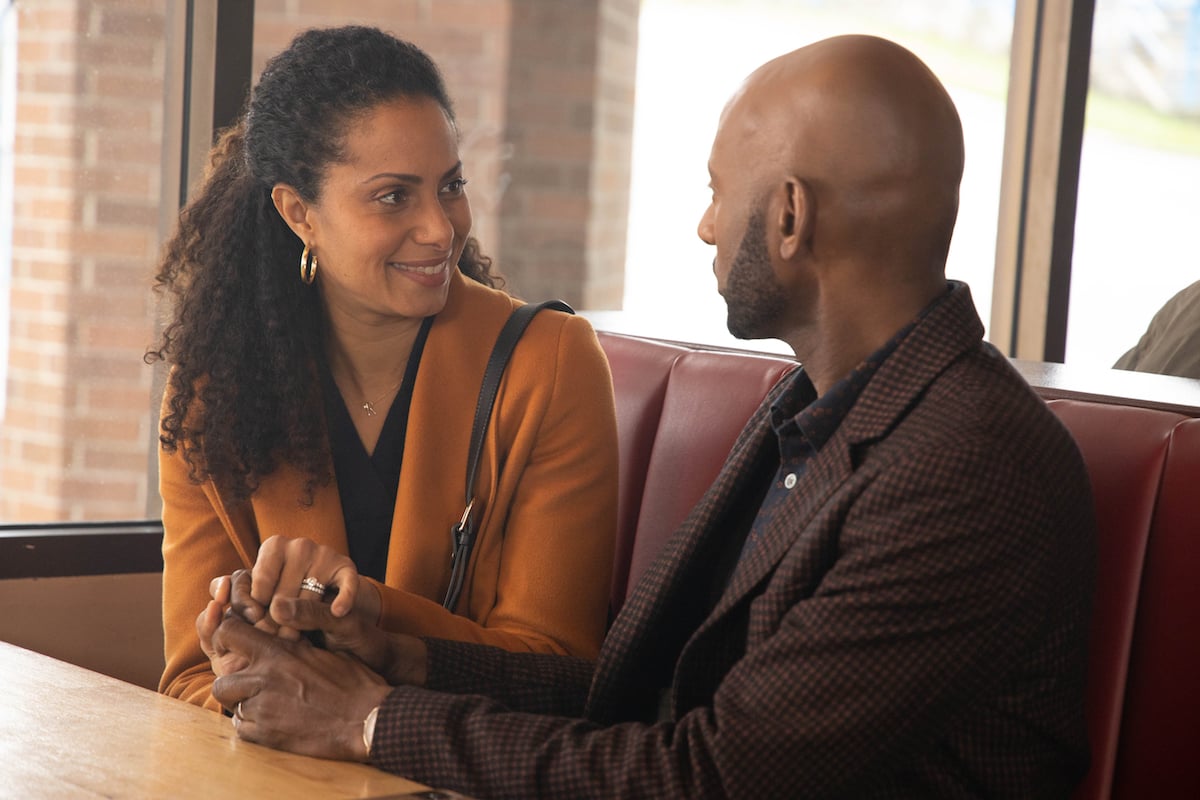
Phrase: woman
(330, 406)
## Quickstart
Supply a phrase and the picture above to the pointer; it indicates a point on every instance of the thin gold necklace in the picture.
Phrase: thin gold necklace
(369, 405)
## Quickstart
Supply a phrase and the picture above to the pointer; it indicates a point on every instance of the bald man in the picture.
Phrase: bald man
(885, 593)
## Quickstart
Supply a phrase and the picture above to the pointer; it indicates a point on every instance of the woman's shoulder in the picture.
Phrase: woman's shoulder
(484, 311)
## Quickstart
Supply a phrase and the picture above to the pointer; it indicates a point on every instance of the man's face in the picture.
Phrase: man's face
(753, 295)
(755, 299)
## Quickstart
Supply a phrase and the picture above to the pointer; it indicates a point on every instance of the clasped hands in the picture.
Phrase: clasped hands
(285, 692)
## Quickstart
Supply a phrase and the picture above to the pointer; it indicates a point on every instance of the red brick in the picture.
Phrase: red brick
(107, 334)
(122, 22)
(471, 13)
(136, 86)
(135, 463)
(132, 242)
(57, 18)
(125, 53)
(66, 209)
(102, 429)
(117, 490)
(128, 399)
(123, 181)
(112, 117)
(112, 212)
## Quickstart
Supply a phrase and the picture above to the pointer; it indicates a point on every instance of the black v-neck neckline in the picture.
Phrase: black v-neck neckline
(368, 482)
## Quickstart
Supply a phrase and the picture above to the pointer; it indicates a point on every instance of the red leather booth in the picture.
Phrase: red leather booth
(679, 408)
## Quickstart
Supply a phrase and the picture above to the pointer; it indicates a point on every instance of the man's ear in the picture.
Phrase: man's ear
(292, 208)
(796, 215)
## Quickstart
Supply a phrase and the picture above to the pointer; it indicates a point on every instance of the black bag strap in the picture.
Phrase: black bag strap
(463, 532)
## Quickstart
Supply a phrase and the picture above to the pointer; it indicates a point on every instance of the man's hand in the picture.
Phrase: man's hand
(399, 658)
(336, 691)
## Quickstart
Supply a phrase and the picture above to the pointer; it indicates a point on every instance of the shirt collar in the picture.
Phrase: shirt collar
(816, 418)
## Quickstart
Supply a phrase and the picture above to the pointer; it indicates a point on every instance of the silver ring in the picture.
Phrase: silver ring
(237, 712)
(311, 584)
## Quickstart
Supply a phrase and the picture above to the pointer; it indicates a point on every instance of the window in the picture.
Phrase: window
(670, 291)
(82, 198)
(1135, 230)
(586, 127)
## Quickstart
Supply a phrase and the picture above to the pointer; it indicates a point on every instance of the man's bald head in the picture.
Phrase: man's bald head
(872, 133)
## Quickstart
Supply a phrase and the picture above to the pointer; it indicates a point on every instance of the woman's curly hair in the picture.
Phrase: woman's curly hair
(246, 333)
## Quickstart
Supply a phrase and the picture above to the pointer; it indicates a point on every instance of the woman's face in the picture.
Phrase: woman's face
(393, 217)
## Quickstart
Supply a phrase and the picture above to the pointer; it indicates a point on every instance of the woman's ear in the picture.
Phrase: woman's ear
(795, 220)
(293, 209)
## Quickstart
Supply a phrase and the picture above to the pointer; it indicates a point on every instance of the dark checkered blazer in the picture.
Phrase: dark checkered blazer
(912, 624)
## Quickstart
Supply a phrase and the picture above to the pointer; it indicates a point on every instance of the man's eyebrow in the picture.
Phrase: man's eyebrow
(415, 179)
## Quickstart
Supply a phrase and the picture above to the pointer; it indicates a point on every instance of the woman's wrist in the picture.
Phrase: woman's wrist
(407, 657)
(370, 600)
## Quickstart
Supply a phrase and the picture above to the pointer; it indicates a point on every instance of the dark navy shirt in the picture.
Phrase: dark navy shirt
(803, 423)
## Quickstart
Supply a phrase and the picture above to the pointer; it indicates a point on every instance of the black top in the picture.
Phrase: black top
(367, 482)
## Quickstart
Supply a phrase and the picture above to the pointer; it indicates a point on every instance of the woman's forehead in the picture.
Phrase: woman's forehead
(412, 131)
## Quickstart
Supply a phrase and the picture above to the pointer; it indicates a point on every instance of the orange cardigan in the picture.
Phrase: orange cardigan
(539, 576)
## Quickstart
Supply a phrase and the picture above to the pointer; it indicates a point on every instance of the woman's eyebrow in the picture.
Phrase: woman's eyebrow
(407, 178)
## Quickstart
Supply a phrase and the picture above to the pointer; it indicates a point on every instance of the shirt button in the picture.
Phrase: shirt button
(790, 481)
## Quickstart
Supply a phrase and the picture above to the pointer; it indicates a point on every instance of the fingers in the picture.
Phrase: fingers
(219, 589)
(268, 566)
(234, 690)
(345, 579)
(287, 567)
(303, 614)
(206, 626)
(337, 691)
(399, 658)
(242, 603)
(236, 635)
(222, 661)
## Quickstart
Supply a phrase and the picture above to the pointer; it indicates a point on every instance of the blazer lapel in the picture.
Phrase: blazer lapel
(950, 329)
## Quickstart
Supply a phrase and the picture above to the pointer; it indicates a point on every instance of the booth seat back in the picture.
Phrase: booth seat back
(680, 407)
(679, 410)
(1125, 450)
(1158, 753)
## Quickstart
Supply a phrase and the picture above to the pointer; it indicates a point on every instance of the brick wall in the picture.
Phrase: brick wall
(86, 197)
(570, 125)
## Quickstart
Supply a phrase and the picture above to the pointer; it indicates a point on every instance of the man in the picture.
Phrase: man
(1171, 344)
(886, 590)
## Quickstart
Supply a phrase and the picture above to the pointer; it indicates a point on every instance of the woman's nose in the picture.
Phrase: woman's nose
(434, 226)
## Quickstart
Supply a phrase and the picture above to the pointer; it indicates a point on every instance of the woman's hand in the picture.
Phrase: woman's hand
(223, 661)
(299, 568)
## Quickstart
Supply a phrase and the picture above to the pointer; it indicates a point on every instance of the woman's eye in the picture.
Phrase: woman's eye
(394, 197)
(454, 187)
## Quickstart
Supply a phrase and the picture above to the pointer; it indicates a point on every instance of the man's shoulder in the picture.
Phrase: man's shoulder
(979, 406)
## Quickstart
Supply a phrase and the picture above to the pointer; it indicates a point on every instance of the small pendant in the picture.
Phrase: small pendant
(370, 409)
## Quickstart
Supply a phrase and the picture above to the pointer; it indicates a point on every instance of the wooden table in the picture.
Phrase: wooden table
(68, 732)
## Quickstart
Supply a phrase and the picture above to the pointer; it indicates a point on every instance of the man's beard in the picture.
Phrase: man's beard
(753, 296)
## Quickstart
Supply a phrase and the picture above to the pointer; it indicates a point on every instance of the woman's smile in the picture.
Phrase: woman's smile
(424, 272)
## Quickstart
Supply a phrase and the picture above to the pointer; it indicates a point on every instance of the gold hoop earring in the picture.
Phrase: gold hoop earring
(308, 265)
